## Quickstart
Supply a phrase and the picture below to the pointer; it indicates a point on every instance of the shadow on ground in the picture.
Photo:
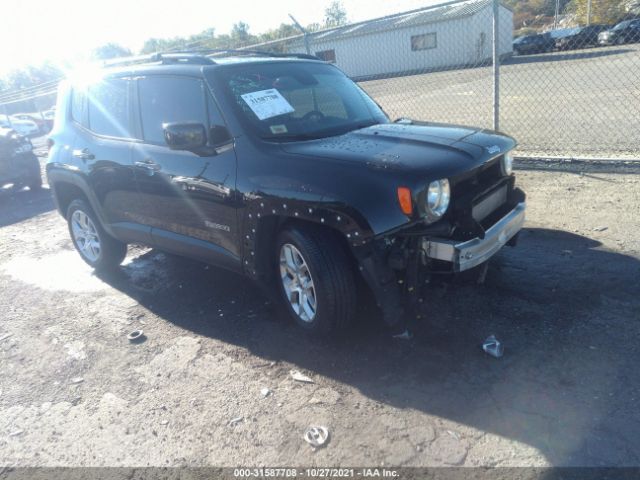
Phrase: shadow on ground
(19, 205)
(566, 56)
(566, 310)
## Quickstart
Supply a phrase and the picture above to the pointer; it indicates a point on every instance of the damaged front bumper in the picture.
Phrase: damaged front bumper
(471, 253)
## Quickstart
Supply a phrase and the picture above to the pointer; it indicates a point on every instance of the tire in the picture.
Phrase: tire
(35, 185)
(34, 178)
(333, 282)
(81, 221)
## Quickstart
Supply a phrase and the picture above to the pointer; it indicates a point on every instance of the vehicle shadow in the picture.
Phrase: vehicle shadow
(579, 167)
(580, 54)
(16, 206)
(565, 308)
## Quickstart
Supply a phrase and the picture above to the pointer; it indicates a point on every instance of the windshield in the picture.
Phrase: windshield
(622, 25)
(298, 101)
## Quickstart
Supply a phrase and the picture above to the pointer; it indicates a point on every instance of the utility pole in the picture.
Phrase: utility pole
(555, 20)
(305, 34)
(588, 12)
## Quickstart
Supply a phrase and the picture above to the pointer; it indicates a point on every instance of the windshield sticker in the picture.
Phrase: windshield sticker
(276, 129)
(267, 103)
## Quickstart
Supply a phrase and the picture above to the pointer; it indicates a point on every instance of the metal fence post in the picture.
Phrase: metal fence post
(496, 66)
(305, 34)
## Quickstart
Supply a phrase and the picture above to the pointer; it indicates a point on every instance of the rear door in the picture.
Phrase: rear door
(102, 150)
(190, 198)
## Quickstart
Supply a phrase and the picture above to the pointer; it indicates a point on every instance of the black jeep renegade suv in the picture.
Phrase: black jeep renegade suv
(282, 169)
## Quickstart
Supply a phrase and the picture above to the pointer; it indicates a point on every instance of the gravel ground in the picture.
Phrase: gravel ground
(565, 303)
(582, 103)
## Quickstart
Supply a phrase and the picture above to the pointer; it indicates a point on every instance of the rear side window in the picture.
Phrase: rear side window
(79, 107)
(170, 100)
(109, 108)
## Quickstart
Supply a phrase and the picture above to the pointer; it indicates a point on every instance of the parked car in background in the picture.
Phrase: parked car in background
(538, 43)
(580, 37)
(26, 128)
(18, 164)
(624, 32)
(44, 124)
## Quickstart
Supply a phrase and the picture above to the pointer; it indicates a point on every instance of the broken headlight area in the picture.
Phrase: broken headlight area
(398, 265)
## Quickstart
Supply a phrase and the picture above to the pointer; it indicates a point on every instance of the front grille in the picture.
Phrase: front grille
(469, 191)
(466, 187)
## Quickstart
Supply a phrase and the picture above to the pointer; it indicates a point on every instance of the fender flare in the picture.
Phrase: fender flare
(57, 175)
(275, 211)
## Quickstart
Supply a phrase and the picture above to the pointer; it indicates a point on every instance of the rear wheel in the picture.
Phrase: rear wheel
(317, 281)
(35, 182)
(33, 179)
(95, 246)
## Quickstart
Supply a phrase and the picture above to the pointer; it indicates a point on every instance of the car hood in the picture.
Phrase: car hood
(438, 150)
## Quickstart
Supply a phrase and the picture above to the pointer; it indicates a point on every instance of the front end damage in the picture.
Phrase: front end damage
(486, 213)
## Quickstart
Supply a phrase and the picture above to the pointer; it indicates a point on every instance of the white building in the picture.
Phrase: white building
(433, 38)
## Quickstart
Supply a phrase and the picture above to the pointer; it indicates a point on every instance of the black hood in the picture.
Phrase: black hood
(441, 150)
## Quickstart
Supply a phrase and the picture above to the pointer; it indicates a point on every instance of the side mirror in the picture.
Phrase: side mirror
(218, 134)
(185, 136)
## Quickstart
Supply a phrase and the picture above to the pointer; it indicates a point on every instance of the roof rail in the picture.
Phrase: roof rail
(169, 58)
(198, 57)
(120, 62)
(259, 53)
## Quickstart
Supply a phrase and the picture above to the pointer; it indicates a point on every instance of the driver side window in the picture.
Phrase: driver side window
(169, 100)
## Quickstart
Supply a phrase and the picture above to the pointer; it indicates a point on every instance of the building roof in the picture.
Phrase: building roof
(434, 13)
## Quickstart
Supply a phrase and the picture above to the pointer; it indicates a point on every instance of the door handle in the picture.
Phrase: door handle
(83, 154)
(148, 164)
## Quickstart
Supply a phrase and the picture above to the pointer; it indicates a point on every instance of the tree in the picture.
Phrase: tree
(110, 50)
(240, 34)
(335, 15)
(602, 11)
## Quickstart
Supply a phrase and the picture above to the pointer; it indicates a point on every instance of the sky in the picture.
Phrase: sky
(34, 31)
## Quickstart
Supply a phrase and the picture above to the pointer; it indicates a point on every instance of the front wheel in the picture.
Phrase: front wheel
(317, 281)
(96, 247)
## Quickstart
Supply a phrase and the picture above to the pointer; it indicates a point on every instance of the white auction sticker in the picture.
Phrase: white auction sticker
(267, 103)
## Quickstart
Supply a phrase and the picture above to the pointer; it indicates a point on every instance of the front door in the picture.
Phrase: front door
(189, 199)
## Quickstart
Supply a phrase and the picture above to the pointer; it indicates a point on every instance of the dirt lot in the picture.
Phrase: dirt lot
(565, 303)
(582, 103)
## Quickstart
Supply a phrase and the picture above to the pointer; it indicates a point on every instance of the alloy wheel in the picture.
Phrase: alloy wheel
(297, 283)
(85, 235)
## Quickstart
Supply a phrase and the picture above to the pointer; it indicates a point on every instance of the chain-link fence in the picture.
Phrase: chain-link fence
(562, 90)
(564, 86)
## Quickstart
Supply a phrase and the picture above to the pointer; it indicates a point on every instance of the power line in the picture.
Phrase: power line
(43, 94)
(29, 90)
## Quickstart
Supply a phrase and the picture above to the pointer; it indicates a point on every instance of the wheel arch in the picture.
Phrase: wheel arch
(68, 186)
(261, 232)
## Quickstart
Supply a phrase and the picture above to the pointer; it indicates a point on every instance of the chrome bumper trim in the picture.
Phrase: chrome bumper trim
(473, 252)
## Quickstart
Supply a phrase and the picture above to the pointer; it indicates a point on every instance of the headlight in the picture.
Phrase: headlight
(438, 197)
(507, 164)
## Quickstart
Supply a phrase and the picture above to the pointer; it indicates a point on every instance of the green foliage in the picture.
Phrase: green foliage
(335, 15)
(602, 11)
(110, 50)
(534, 13)
(30, 76)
